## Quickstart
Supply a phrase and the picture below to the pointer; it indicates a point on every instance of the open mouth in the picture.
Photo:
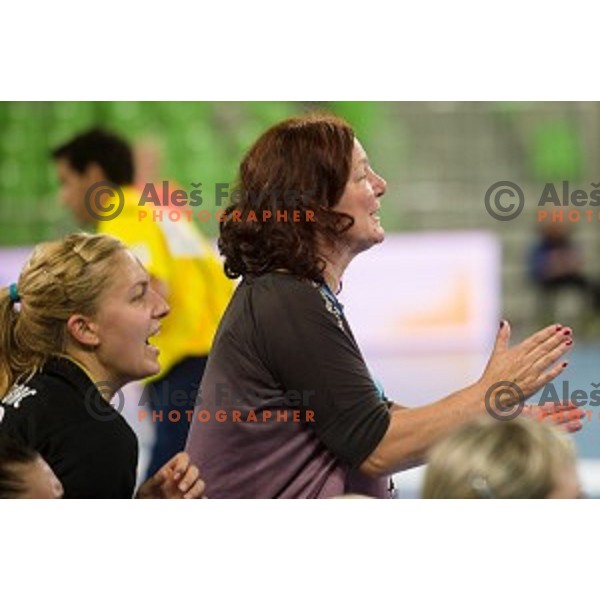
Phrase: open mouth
(153, 334)
(375, 216)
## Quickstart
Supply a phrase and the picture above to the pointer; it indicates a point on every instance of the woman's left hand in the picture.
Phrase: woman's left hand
(567, 415)
(177, 479)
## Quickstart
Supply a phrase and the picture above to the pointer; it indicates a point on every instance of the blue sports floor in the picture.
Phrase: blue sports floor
(583, 372)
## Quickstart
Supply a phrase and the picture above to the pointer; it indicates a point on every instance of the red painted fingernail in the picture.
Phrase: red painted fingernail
(567, 332)
(568, 343)
(501, 324)
(565, 364)
(558, 327)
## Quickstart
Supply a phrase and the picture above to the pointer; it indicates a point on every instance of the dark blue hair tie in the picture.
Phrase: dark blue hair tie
(13, 292)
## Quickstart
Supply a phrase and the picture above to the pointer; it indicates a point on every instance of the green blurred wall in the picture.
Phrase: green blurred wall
(201, 141)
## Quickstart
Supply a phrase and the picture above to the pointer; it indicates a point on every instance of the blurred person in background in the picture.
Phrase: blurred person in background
(25, 474)
(183, 269)
(74, 329)
(310, 421)
(488, 458)
(147, 156)
(556, 264)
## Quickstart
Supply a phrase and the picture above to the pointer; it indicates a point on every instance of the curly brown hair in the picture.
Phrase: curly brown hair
(304, 162)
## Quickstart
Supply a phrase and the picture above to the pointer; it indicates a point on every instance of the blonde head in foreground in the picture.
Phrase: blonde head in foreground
(487, 458)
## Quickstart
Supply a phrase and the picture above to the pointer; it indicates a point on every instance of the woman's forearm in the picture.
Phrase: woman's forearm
(528, 366)
(413, 431)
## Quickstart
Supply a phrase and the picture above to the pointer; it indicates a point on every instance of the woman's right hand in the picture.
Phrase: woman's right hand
(529, 365)
(176, 479)
(524, 369)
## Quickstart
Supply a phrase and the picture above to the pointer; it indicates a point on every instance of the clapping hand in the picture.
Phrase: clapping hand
(566, 415)
(177, 479)
(531, 364)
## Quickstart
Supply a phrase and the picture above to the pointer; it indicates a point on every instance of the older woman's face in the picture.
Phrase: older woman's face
(361, 200)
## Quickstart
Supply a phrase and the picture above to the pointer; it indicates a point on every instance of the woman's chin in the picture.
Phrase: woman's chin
(378, 235)
(150, 368)
(151, 363)
(155, 370)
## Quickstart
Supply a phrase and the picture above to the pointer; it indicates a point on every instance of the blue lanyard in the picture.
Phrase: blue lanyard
(340, 308)
(332, 297)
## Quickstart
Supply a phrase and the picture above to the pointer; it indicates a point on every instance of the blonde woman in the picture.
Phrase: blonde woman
(74, 329)
(487, 458)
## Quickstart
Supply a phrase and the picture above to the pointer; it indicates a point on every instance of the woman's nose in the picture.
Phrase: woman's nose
(161, 306)
(379, 185)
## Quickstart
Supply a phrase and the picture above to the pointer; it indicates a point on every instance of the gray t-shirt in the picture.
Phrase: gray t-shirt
(287, 407)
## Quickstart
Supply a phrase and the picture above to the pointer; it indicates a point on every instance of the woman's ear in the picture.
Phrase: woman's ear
(83, 330)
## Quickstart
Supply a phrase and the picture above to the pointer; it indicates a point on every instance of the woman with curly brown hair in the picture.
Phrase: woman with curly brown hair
(287, 407)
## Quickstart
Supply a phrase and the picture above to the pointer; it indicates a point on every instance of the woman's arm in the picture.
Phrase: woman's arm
(412, 431)
(526, 367)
